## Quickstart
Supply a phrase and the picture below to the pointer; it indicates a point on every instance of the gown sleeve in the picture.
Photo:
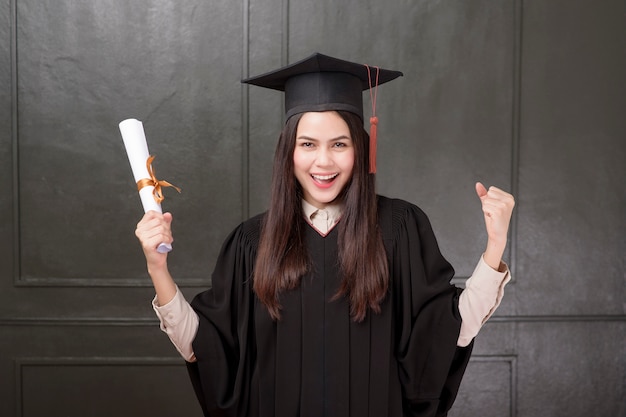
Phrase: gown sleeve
(430, 365)
(224, 342)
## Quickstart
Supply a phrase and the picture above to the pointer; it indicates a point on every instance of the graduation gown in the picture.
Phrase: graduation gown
(316, 361)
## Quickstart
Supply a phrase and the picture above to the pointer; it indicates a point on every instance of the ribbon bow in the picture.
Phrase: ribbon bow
(152, 181)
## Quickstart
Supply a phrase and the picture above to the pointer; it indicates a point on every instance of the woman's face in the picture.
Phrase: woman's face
(323, 157)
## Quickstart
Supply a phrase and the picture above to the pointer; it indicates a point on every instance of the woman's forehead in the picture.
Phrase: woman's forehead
(320, 125)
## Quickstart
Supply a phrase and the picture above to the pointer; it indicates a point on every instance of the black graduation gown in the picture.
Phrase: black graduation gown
(316, 361)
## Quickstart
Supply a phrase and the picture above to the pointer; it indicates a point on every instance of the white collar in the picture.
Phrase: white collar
(323, 220)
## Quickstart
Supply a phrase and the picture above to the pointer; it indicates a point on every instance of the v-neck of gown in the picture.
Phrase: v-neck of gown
(322, 220)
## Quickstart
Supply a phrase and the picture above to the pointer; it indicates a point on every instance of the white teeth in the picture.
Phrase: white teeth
(324, 177)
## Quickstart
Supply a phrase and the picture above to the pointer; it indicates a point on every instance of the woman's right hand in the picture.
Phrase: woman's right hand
(153, 229)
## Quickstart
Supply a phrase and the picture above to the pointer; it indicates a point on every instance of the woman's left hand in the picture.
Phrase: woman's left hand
(497, 206)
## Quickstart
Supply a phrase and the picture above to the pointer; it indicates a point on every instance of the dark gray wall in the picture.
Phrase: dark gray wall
(526, 95)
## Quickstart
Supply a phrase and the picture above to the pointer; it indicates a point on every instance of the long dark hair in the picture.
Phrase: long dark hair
(282, 256)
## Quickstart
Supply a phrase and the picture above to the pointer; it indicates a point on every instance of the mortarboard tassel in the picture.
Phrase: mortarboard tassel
(373, 135)
(373, 119)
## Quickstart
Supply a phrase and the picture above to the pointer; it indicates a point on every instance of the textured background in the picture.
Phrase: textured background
(528, 95)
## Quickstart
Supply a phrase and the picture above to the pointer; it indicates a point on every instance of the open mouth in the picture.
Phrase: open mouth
(324, 179)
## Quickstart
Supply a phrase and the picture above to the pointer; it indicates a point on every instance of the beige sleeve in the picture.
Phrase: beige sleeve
(480, 299)
(180, 322)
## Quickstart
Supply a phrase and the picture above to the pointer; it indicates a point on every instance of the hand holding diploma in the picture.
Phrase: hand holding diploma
(141, 164)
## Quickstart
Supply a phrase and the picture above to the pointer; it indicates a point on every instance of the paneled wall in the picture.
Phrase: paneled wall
(527, 95)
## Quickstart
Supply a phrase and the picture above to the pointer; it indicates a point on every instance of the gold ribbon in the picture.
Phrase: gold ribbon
(152, 181)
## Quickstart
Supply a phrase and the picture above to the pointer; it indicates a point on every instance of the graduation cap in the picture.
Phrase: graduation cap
(324, 83)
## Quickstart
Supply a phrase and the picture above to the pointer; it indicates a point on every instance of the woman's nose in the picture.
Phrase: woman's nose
(323, 158)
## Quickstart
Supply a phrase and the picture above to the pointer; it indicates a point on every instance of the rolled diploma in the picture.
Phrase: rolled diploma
(137, 150)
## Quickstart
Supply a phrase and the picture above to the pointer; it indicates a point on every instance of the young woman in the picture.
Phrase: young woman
(336, 301)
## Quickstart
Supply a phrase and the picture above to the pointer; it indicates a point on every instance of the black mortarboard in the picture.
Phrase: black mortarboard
(323, 83)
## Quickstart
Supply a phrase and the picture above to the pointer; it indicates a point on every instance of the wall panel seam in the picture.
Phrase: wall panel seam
(285, 35)
(245, 114)
(24, 361)
(515, 127)
(144, 321)
(103, 282)
(14, 147)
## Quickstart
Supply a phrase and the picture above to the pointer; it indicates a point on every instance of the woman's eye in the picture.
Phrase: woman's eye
(339, 145)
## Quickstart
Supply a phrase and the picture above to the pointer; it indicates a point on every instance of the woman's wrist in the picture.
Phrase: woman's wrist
(493, 254)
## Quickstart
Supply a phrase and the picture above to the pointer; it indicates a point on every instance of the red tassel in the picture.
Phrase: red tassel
(373, 119)
(373, 137)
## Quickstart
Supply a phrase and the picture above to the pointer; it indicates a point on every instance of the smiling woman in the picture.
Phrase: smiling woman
(336, 301)
(323, 157)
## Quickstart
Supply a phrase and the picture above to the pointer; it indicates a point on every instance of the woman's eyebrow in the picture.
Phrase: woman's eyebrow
(342, 137)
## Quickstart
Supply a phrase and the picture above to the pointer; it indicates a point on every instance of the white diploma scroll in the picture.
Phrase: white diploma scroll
(137, 151)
